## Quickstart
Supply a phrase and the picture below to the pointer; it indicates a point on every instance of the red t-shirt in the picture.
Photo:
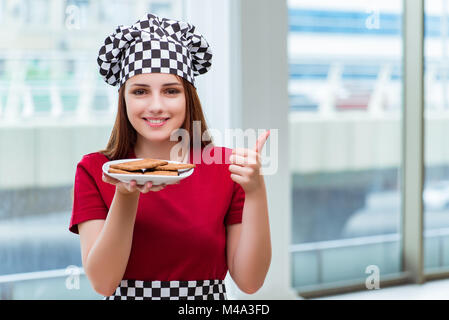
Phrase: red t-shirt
(180, 231)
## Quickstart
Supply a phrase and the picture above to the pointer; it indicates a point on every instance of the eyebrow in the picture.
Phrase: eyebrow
(146, 85)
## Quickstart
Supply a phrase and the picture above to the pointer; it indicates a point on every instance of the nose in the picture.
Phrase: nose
(155, 105)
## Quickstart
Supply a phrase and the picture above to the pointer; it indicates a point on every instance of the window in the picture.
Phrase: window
(436, 191)
(54, 108)
(345, 140)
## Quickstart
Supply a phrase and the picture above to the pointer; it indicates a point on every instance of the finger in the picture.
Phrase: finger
(109, 179)
(156, 188)
(261, 141)
(241, 171)
(239, 179)
(254, 156)
(130, 186)
(146, 187)
(243, 151)
(237, 159)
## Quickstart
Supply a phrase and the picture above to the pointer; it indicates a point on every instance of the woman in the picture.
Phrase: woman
(175, 241)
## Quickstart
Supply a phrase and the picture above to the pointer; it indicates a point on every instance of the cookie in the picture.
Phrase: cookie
(161, 173)
(112, 170)
(139, 164)
(175, 166)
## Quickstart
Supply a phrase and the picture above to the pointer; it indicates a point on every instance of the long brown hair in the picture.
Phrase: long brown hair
(123, 136)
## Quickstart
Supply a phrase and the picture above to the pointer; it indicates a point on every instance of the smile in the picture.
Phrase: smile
(156, 123)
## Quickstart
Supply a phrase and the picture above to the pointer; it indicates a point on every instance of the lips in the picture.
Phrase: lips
(154, 118)
(156, 122)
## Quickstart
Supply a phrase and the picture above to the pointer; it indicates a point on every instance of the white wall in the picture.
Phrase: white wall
(211, 19)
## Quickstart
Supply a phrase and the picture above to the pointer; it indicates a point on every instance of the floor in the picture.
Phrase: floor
(432, 290)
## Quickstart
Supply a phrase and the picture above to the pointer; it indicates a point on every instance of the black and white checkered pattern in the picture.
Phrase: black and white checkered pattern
(170, 290)
(154, 45)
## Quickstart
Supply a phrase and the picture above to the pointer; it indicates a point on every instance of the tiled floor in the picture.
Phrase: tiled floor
(432, 290)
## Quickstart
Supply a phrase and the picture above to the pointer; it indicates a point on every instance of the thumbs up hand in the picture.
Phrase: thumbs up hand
(245, 165)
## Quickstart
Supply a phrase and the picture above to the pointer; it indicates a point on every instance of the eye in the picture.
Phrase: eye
(138, 92)
(172, 91)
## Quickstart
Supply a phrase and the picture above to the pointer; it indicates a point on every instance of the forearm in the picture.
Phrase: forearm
(253, 254)
(107, 259)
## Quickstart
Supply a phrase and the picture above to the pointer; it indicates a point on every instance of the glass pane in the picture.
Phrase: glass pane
(345, 119)
(54, 108)
(436, 185)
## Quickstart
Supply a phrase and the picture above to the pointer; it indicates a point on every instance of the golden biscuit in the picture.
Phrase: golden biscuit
(161, 173)
(139, 164)
(112, 170)
(175, 166)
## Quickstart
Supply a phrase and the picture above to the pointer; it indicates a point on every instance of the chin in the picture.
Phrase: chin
(157, 137)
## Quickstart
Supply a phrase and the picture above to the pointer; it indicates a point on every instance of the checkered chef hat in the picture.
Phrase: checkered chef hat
(154, 45)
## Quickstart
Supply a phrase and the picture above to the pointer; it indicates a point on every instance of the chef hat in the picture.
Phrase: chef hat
(154, 45)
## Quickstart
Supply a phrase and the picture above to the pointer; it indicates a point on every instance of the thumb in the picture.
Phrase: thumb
(261, 141)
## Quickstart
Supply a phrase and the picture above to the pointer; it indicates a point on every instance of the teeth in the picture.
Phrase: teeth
(156, 121)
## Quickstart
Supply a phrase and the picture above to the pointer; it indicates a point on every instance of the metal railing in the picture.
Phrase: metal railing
(319, 248)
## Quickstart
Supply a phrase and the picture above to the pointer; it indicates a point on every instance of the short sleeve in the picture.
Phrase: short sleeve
(234, 214)
(87, 201)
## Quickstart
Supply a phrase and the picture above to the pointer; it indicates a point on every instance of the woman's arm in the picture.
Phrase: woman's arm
(249, 243)
(106, 244)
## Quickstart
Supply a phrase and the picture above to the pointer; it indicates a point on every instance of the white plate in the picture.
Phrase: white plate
(141, 179)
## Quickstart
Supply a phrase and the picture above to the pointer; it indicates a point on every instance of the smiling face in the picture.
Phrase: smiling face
(159, 96)
(155, 105)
